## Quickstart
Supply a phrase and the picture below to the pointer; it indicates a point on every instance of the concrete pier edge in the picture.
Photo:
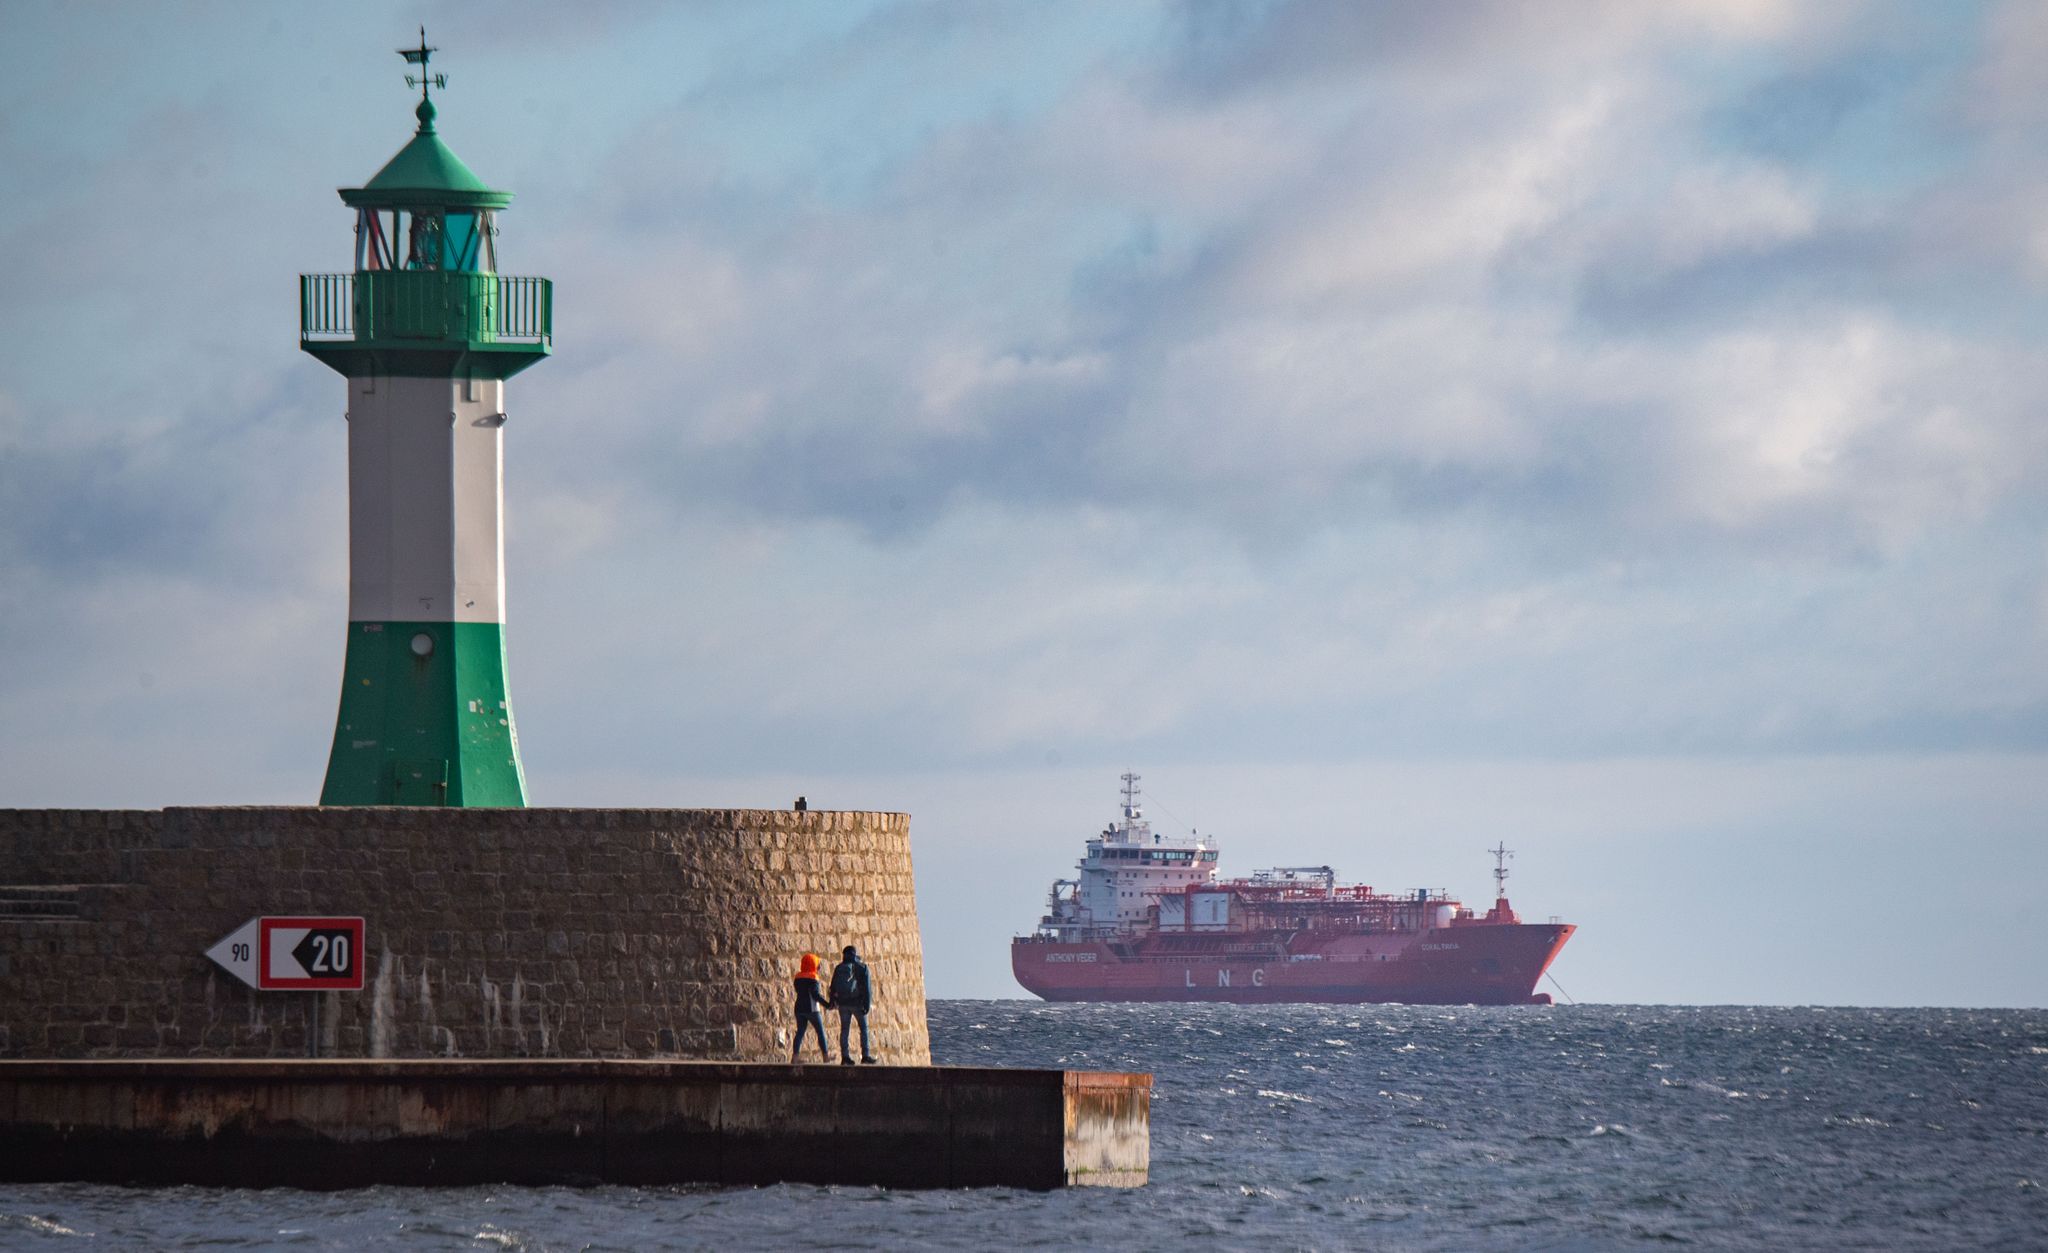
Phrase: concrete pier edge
(353, 1122)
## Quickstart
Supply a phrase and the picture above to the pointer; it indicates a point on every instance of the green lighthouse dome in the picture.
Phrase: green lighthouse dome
(426, 172)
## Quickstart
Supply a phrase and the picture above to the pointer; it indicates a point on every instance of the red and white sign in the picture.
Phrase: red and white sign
(295, 954)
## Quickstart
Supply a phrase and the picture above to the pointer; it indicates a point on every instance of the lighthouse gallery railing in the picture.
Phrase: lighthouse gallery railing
(426, 304)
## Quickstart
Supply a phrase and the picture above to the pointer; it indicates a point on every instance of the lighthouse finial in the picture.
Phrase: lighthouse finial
(420, 56)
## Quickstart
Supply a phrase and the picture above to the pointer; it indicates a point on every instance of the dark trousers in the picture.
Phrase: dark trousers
(812, 1021)
(847, 1017)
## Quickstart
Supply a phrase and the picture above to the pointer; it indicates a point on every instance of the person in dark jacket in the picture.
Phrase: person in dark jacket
(808, 999)
(852, 993)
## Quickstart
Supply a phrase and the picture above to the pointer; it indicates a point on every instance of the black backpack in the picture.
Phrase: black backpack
(849, 983)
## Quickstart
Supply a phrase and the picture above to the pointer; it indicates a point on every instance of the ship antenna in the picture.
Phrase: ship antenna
(1501, 853)
(1130, 793)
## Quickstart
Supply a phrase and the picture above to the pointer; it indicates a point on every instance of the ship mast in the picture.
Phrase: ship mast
(1130, 795)
(1501, 853)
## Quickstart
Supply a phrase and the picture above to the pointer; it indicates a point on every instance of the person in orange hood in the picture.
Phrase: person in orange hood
(808, 1001)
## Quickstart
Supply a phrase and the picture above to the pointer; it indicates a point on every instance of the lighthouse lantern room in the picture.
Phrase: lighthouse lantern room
(425, 331)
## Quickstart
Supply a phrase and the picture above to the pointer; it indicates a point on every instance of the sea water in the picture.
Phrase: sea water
(1320, 1127)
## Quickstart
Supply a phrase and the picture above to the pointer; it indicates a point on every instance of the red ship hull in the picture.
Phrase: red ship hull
(1468, 963)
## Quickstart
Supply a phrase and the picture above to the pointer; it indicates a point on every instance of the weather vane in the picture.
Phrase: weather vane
(419, 56)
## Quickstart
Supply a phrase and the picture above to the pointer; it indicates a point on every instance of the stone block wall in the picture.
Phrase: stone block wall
(490, 932)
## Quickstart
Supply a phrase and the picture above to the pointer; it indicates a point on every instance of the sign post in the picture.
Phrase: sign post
(294, 954)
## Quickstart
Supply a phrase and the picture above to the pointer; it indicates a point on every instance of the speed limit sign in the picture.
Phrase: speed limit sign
(295, 954)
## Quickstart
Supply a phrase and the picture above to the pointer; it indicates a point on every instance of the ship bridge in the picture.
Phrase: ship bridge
(1126, 867)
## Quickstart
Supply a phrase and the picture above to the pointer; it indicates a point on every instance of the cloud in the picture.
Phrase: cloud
(1269, 305)
(1337, 380)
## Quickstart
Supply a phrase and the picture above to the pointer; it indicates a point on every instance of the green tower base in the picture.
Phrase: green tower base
(425, 726)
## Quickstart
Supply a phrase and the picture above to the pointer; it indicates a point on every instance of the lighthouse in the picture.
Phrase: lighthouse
(425, 332)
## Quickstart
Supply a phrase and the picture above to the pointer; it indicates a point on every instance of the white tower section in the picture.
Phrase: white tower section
(426, 500)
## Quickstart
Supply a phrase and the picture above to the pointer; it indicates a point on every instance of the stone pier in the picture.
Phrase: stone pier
(491, 933)
(551, 996)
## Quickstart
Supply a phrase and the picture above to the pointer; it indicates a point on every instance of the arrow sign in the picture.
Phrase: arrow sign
(294, 954)
(236, 953)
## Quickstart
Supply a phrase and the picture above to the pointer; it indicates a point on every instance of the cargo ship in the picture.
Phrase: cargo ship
(1150, 919)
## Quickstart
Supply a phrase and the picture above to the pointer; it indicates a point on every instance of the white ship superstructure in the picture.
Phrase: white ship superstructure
(1127, 868)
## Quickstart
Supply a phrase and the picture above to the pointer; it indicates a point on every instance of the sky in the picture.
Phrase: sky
(1614, 429)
